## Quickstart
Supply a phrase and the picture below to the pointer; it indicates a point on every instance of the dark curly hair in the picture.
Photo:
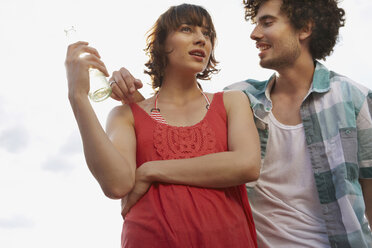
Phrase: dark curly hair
(168, 22)
(325, 15)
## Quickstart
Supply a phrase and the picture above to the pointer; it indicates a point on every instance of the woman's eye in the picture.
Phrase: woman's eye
(185, 29)
(266, 24)
(207, 33)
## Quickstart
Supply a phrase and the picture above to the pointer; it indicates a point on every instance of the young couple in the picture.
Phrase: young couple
(180, 159)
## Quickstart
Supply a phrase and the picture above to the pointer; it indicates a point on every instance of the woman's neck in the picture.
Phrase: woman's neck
(179, 90)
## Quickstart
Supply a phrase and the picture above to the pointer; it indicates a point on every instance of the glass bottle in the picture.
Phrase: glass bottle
(99, 85)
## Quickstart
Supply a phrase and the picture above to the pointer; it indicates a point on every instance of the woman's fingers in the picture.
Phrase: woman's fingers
(125, 84)
(80, 52)
(91, 50)
(95, 62)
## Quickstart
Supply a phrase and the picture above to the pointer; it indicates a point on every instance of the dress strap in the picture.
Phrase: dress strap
(155, 111)
(206, 99)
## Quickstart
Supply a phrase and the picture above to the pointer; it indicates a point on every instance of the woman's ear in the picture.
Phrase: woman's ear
(307, 30)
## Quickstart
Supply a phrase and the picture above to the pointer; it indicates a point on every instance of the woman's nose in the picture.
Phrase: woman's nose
(200, 38)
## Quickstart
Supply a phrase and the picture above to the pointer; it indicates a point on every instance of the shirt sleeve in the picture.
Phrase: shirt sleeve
(237, 86)
(364, 130)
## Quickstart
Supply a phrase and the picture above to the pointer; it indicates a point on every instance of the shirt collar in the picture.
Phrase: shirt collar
(269, 85)
(321, 82)
(260, 99)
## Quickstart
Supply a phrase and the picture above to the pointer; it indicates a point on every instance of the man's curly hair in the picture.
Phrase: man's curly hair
(168, 22)
(325, 15)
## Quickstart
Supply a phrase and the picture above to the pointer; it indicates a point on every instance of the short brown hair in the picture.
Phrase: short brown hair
(326, 16)
(168, 22)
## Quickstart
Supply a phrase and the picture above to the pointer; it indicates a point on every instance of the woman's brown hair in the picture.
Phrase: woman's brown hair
(168, 22)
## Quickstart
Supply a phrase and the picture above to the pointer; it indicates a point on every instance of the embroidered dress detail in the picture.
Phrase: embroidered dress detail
(182, 216)
(184, 142)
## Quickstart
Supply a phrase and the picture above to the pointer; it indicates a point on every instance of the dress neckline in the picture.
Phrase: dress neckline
(156, 114)
(173, 126)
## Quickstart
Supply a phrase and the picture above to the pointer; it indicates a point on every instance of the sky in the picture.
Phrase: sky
(48, 198)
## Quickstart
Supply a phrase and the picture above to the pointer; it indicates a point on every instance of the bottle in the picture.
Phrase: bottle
(99, 85)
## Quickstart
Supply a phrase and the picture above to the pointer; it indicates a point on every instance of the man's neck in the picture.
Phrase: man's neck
(291, 87)
(295, 79)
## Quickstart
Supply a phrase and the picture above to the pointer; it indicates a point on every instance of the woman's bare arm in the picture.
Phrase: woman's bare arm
(112, 162)
(238, 165)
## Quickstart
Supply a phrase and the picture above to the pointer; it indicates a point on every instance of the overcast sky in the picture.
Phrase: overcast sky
(48, 198)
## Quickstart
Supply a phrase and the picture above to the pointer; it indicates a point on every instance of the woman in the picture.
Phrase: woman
(179, 159)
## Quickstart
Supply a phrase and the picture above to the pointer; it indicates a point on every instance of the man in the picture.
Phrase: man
(315, 126)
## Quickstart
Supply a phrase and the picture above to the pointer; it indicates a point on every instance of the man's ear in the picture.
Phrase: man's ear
(307, 30)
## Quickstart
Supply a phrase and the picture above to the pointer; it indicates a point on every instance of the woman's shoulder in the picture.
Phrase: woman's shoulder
(147, 104)
(235, 97)
(229, 97)
(121, 112)
(211, 96)
(227, 93)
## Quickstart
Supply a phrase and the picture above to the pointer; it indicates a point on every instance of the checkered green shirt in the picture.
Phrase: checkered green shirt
(336, 116)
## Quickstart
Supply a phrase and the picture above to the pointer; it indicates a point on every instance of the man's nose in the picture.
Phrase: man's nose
(256, 33)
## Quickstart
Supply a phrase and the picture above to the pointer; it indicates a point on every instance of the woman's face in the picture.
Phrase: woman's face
(190, 48)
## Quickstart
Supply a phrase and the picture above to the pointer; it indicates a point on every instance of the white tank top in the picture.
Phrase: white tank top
(284, 200)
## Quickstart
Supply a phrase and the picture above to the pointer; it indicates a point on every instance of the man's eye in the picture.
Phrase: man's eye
(266, 24)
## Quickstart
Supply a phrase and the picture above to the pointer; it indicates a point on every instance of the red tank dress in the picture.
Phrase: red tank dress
(179, 216)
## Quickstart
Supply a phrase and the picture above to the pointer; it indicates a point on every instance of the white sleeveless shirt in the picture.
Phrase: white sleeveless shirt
(284, 201)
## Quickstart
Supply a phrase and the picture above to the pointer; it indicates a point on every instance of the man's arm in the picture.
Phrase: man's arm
(367, 193)
(364, 128)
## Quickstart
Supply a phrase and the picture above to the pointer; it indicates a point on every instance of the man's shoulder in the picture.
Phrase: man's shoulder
(344, 90)
(345, 83)
(324, 78)
(251, 86)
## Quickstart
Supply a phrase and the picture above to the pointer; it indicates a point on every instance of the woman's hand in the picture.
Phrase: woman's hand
(125, 86)
(140, 188)
(77, 67)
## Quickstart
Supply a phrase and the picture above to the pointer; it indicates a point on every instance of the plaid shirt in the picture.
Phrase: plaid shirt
(336, 116)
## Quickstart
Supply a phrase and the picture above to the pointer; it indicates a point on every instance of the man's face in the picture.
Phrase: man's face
(275, 37)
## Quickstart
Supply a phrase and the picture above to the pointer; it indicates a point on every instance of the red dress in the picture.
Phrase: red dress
(179, 216)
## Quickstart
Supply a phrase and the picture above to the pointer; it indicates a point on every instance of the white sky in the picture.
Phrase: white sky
(48, 198)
